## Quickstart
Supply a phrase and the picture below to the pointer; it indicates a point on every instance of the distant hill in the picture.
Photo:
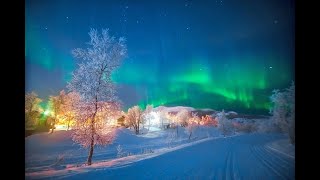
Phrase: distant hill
(211, 112)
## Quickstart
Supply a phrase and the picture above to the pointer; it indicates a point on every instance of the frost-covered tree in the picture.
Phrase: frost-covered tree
(283, 110)
(147, 116)
(224, 124)
(134, 118)
(32, 105)
(92, 80)
(195, 118)
(68, 109)
(104, 132)
(181, 119)
(209, 121)
(192, 123)
(164, 118)
(56, 106)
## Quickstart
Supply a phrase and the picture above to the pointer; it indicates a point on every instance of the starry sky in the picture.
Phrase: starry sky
(219, 54)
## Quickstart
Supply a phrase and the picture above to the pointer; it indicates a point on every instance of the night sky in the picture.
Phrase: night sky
(227, 54)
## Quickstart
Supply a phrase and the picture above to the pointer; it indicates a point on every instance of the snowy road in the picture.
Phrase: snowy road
(240, 157)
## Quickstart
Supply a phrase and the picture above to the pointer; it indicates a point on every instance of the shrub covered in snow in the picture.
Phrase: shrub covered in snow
(134, 118)
(283, 110)
(224, 124)
(172, 135)
(32, 110)
(209, 121)
(246, 128)
(266, 126)
(183, 117)
(193, 122)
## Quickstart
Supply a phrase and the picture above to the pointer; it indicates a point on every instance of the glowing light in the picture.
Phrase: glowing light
(154, 119)
(46, 112)
(60, 127)
(240, 83)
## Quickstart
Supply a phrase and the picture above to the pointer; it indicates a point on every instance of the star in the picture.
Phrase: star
(137, 21)
(127, 7)
(46, 28)
(188, 28)
(270, 67)
(67, 17)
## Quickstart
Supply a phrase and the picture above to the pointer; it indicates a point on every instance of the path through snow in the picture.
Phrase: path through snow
(246, 156)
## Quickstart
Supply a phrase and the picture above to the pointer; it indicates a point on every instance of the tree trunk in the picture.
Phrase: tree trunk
(177, 130)
(53, 125)
(190, 134)
(68, 125)
(89, 161)
(138, 126)
(162, 124)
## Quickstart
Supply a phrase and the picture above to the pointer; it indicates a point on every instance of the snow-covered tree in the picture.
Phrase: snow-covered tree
(32, 105)
(283, 110)
(265, 126)
(209, 121)
(164, 117)
(147, 116)
(181, 119)
(104, 132)
(134, 118)
(195, 118)
(92, 80)
(224, 124)
(193, 122)
(56, 104)
(71, 100)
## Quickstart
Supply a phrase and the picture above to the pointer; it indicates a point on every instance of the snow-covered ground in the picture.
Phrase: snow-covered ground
(158, 154)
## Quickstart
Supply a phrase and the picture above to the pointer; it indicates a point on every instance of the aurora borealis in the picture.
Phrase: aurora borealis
(206, 54)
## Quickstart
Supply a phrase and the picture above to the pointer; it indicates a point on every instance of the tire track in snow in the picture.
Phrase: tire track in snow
(226, 161)
(226, 168)
(242, 157)
(236, 174)
(233, 168)
(279, 152)
(267, 163)
(284, 159)
(284, 166)
(270, 159)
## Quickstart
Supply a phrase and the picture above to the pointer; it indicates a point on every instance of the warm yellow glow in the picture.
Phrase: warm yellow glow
(60, 127)
(112, 121)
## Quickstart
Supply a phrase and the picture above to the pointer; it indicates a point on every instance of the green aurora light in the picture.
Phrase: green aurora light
(245, 86)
